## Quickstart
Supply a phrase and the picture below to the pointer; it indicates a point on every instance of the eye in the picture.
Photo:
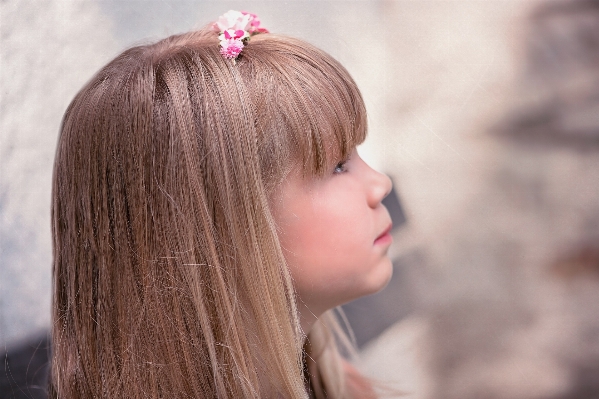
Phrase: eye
(341, 167)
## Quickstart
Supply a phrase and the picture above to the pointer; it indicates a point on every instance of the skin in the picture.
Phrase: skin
(332, 231)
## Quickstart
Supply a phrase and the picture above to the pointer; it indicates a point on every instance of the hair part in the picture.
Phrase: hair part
(169, 279)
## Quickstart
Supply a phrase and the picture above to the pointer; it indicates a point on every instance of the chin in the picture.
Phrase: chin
(379, 277)
(388, 273)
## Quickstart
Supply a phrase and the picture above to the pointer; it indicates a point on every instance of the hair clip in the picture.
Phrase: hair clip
(236, 28)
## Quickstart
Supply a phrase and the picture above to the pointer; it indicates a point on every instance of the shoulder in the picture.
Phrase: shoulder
(359, 385)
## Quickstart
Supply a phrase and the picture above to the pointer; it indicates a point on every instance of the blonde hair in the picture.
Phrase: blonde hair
(169, 280)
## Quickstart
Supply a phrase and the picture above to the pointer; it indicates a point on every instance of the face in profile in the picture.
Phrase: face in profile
(334, 231)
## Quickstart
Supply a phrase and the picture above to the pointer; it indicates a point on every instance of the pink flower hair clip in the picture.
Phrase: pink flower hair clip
(236, 28)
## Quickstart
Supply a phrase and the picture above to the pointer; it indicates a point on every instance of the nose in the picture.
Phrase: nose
(380, 187)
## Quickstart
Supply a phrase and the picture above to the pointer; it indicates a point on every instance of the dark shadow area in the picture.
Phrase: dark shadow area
(24, 369)
(393, 205)
(371, 315)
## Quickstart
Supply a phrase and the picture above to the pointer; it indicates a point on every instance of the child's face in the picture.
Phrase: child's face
(334, 234)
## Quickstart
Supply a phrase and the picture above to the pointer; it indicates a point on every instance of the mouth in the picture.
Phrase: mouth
(385, 236)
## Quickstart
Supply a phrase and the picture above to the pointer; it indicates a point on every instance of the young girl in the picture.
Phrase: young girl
(209, 209)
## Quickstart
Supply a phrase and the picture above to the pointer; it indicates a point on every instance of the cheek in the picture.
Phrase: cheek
(328, 242)
(330, 251)
(328, 233)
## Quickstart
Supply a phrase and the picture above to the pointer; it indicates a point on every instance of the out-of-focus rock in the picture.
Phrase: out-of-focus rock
(512, 305)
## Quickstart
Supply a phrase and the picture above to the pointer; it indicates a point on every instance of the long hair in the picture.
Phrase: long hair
(168, 275)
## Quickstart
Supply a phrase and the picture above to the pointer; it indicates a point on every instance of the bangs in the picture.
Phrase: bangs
(308, 109)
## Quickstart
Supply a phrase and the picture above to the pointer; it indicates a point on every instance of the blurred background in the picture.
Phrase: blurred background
(484, 113)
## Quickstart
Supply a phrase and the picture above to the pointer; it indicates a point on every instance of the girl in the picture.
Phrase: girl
(209, 209)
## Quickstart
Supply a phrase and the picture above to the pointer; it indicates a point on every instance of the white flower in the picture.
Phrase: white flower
(234, 20)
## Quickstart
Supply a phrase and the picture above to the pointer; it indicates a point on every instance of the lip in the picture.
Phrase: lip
(385, 236)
